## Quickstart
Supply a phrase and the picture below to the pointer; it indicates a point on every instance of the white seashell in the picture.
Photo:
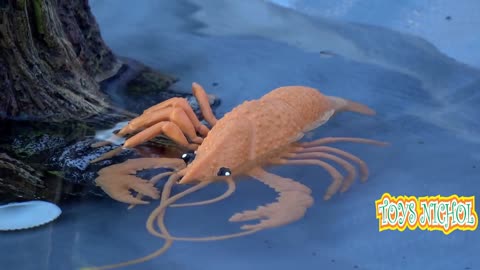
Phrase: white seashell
(26, 215)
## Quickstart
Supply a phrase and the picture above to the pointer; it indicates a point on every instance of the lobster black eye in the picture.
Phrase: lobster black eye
(224, 172)
(188, 157)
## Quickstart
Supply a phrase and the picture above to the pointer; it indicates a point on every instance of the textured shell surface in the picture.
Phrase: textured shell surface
(277, 117)
(256, 129)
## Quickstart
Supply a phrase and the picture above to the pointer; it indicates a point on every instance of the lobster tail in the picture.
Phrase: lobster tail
(340, 104)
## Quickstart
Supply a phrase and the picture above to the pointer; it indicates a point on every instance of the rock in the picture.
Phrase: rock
(19, 180)
(74, 160)
(137, 87)
(51, 161)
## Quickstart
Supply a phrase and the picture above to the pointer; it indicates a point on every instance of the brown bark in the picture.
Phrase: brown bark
(18, 180)
(52, 59)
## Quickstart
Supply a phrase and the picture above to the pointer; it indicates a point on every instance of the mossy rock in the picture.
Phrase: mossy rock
(148, 82)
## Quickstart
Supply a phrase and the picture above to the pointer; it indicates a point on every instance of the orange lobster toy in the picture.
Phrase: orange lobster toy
(254, 135)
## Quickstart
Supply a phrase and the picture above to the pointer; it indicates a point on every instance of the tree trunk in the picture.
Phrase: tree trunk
(52, 58)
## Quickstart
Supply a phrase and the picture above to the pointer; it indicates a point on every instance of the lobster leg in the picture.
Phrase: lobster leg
(364, 172)
(352, 173)
(175, 110)
(204, 104)
(174, 114)
(362, 165)
(168, 128)
(316, 149)
(342, 139)
(337, 177)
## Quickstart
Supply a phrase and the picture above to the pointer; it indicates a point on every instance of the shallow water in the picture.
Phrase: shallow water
(446, 24)
(427, 108)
